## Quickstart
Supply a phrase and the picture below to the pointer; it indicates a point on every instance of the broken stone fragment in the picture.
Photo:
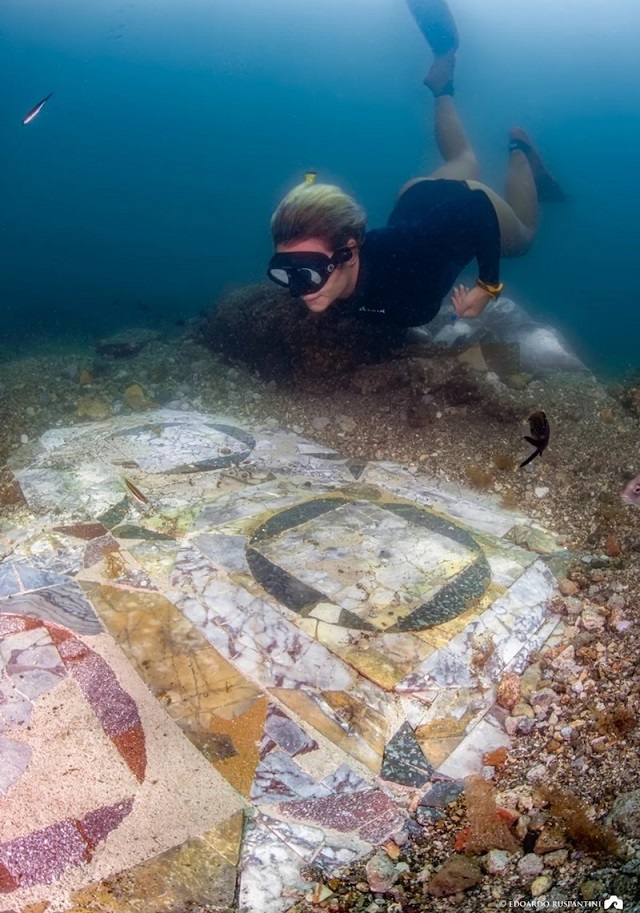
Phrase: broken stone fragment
(509, 691)
(457, 874)
(126, 344)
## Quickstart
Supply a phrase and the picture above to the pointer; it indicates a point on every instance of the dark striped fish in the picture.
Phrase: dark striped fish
(539, 437)
(36, 109)
(135, 492)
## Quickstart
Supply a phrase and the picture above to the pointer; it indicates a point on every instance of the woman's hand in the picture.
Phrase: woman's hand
(468, 302)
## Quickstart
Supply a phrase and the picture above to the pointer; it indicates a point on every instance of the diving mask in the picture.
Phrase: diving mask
(305, 271)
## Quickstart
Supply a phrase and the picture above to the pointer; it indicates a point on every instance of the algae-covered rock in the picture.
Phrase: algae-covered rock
(275, 334)
(96, 408)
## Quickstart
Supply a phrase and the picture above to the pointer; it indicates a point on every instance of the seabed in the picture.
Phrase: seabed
(251, 673)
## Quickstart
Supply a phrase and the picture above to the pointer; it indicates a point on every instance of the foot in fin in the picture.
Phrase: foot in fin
(435, 21)
(549, 190)
(440, 77)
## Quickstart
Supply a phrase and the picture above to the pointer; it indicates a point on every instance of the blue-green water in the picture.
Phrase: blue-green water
(145, 186)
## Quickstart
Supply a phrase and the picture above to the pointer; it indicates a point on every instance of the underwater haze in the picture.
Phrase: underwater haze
(144, 188)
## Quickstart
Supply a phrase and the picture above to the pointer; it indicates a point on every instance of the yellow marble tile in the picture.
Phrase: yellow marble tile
(174, 522)
(436, 751)
(232, 745)
(191, 876)
(363, 734)
(219, 710)
(226, 838)
(445, 727)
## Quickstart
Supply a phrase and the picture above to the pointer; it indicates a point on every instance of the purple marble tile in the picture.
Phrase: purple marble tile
(42, 857)
(344, 780)
(98, 824)
(343, 812)
(287, 734)
(278, 778)
(266, 745)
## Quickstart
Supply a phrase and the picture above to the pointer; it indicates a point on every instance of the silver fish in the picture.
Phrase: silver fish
(36, 109)
(631, 494)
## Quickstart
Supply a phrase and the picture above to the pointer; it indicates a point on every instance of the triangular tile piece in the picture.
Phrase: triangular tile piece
(403, 761)
(356, 467)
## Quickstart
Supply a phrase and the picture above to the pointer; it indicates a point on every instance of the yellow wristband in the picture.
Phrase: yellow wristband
(493, 291)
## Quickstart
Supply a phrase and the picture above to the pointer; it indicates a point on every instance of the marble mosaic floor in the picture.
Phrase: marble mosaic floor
(250, 666)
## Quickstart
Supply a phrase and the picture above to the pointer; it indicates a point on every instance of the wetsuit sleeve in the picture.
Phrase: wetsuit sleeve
(484, 234)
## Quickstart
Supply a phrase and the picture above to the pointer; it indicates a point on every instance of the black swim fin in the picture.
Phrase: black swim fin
(436, 22)
(547, 188)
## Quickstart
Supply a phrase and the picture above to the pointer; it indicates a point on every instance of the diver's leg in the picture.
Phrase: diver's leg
(515, 236)
(460, 163)
(435, 21)
(547, 188)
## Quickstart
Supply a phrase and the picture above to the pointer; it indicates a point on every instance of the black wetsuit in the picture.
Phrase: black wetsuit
(407, 268)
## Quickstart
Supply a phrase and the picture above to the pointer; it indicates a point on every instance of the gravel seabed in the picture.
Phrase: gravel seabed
(584, 736)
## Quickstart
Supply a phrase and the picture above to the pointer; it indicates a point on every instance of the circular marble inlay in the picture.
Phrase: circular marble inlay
(177, 447)
(384, 564)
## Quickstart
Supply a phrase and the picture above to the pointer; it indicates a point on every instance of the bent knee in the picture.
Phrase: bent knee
(517, 241)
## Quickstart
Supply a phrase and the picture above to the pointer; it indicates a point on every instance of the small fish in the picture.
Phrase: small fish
(135, 491)
(631, 494)
(36, 109)
(539, 438)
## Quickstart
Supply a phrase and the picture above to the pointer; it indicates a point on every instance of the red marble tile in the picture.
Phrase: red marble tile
(59, 635)
(98, 824)
(83, 530)
(7, 881)
(343, 812)
(42, 857)
(131, 745)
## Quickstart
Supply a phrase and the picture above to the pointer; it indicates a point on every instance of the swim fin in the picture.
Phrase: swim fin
(547, 187)
(436, 22)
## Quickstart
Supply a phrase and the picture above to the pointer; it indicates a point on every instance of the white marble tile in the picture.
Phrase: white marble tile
(262, 642)
(270, 871)
(303, 839)
(466, 759)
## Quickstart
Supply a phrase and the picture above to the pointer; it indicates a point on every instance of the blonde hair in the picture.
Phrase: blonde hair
(318, 211)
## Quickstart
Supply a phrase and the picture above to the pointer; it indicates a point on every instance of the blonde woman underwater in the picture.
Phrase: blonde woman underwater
(398, 276)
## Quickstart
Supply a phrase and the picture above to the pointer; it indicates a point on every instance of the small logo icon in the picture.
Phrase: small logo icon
(616, 902)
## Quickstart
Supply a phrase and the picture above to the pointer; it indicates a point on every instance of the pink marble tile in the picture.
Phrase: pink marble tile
(95, 826)
(114, 708)
(14, 624)
(42, 857)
